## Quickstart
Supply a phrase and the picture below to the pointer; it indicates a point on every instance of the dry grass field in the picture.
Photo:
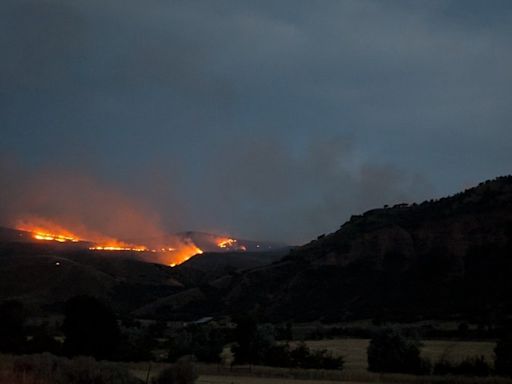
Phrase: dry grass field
(254, 380)
(354, 350)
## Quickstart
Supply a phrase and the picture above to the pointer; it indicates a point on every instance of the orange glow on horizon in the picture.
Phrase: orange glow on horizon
(175, 252)
(55, 234)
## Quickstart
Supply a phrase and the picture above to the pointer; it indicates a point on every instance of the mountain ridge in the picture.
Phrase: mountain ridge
(441, 258)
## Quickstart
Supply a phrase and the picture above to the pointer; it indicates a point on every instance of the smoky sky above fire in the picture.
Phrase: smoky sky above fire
(271, 120)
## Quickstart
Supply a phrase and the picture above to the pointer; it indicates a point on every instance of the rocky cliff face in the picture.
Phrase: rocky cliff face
(439, 258)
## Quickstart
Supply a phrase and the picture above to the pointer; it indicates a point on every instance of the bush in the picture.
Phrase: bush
(48, 369)
(256, 344)
(301, 357)
(205, 343)
(474, 366)
(183, 372)
(390, 351)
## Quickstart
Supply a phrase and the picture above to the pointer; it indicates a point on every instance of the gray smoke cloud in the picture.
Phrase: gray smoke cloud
(262, 119)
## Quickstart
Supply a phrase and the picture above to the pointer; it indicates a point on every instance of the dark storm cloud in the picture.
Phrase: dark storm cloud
(263, 119)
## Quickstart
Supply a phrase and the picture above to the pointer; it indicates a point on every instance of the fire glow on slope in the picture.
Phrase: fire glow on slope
(172, 255)
(230, 244)
(165, 249)
(49, 234)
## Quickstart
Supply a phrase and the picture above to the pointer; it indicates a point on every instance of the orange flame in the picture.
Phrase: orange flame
(231, 244)
(55, 233)
(173, 255)
(226, 243)
(180, 254)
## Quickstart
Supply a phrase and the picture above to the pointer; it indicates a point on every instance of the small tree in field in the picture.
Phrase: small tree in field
(390, 351)
(183, 372)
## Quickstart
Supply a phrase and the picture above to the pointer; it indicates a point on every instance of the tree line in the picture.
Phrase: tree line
(90, 328)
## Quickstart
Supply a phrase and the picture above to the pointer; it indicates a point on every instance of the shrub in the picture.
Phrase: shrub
(205, 343)
(301, 357)
(183, 372)
(473, 366)
(390, 351)
(48, 369)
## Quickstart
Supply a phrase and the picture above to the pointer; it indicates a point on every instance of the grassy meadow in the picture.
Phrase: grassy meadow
(354, 350)
(355, 371)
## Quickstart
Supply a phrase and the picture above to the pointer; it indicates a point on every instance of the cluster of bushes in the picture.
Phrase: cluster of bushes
(256, 344)
(205, 343)
(391, 351)
(301, 357)
(427, 331)
(90, 329)
(473, 366)
(49, 369)
(182, 372)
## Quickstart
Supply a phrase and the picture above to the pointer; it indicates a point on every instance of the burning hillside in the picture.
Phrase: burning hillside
(73, 211)
(170, 250)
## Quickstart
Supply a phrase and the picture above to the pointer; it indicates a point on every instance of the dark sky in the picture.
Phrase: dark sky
(264, 119)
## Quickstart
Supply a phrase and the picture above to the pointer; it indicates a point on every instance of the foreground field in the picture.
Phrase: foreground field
(389, 379)
(253, 380)
(354, 350)
(355, 371)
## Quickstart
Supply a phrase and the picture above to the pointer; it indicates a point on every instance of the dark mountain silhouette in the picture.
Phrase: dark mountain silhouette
(445, 258)
(44, 277)
(46, 274)
(448, 258)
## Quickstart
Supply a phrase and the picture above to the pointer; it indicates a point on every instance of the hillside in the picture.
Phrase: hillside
(444, 258)
(45, 274)
(44, 277)
(209, 266)
(449, 258)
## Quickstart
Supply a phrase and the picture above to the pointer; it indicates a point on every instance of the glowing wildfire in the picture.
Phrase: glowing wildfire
(232, 244)
(118, 248)
(226, 243)
(55, 234)
(170, 254)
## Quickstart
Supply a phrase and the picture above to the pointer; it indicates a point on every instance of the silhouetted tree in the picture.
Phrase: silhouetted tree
(12, 327)
(183, 372)
(203, 342)
(43, 341)
(245, 336)
(90, 328)
(390, 351)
